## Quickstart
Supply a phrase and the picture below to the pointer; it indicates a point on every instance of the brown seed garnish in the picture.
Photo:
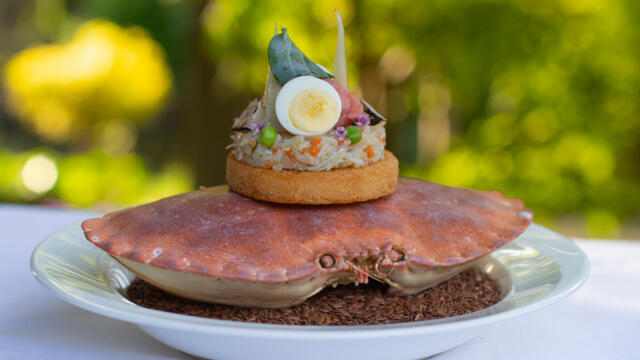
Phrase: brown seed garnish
(469, 291)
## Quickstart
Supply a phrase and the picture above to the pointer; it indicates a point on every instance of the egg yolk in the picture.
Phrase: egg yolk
(313, 110)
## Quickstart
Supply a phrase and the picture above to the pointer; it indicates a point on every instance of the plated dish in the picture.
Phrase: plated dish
(538, 268)
(313, 200)
(285, 228)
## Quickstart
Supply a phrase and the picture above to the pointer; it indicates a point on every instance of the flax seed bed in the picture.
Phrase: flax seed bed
(469, 291)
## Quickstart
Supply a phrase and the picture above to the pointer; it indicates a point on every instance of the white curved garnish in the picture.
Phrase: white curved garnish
(340, 62)
(271, 90)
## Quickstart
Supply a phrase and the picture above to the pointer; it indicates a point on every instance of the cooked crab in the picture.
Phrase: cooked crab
(216, 246)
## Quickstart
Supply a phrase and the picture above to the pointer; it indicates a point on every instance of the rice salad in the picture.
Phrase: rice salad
(316, 153)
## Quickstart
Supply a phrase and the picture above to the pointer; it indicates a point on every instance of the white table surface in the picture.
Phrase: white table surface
(600, 321)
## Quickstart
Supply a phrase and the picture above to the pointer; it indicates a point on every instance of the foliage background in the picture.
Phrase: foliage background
(114, 102)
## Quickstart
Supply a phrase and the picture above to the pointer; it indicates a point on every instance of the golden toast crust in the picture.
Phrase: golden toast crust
(336, 186)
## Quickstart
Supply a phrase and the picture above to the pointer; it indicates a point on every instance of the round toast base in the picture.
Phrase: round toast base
(336, 186)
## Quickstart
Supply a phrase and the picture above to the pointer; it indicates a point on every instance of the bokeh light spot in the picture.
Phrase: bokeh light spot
(460, 168)
(39, 174)
(539, 125)
(116, 138)
(397, 63)
(105, 72)
(498, 131)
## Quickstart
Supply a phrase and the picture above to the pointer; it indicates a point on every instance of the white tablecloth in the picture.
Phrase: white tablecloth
(600, 321)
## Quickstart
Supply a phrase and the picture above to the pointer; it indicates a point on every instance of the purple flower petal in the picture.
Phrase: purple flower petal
(363, 120)
(341, 133)
(256, 127)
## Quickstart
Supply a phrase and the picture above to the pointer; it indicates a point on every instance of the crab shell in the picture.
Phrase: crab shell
(217, 246)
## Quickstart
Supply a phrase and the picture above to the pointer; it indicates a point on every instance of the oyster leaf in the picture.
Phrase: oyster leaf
(288, 62)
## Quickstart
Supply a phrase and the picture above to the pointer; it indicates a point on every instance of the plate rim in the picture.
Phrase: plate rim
(156, 318)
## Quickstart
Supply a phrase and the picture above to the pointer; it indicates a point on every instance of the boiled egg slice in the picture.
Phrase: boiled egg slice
(307, 105)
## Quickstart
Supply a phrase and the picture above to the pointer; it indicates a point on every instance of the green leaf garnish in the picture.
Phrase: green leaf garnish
(288, 62)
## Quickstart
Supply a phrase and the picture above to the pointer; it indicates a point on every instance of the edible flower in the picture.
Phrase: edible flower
(341, 133)
(256, 128)
(363, 120)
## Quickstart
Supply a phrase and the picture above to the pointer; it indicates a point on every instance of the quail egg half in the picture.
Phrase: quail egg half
(307, 105)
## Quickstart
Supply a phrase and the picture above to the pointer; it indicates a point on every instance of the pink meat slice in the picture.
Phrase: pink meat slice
(351, 106)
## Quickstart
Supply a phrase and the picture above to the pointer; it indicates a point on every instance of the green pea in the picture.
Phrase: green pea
(268, 136)
(353, 134)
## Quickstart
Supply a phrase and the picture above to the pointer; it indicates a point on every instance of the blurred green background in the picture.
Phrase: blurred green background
(108, 103)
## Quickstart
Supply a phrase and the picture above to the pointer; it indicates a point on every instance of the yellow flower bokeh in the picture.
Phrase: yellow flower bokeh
(105, 72)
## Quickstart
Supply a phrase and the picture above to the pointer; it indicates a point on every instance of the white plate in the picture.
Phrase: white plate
(538, 268)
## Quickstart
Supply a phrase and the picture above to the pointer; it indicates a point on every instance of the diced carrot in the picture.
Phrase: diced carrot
(269, 165)
(275, 150)
(369, 152)
(384, 139)
(290, 156)
(313, 151)
(251, 143)
(315, 142)
(340, 142)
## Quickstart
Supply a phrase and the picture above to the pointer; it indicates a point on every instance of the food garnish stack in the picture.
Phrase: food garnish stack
(309, 140)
